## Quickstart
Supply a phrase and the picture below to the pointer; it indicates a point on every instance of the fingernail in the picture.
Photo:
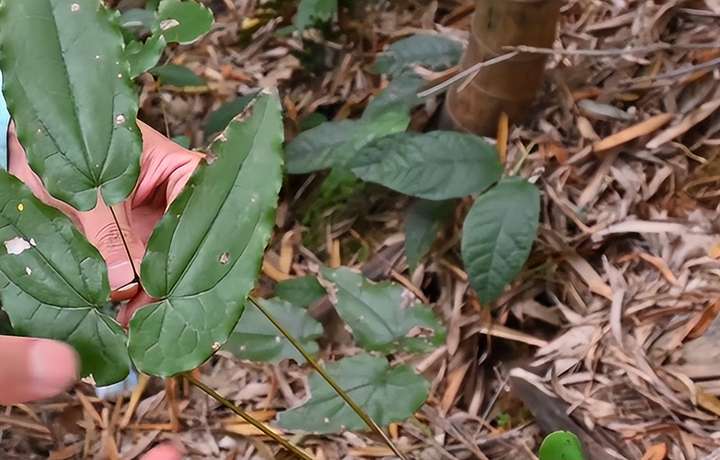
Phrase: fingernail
(120, 274)
(53, 368)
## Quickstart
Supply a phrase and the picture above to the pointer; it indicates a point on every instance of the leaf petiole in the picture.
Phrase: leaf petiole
(245, 416)
(325, 376)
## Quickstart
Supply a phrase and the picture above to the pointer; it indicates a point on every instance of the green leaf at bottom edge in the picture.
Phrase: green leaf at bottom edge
(561, 445)
(388, 394)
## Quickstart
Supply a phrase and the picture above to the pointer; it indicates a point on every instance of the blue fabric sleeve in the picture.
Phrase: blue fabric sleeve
(4, 125)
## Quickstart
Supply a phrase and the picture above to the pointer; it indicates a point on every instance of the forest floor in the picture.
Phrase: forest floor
(610, 331)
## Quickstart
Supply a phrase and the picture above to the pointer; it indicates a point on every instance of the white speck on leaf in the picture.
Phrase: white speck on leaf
(97, 57)
(20, 207)
(326, 420)
(28, 270)
(17, 246)
(243, 348)
(32, 242)
(75, 7)
(216, 346)
(120, 119)
(120, 76)
(224, 258)
(278, 339)
(168, 24)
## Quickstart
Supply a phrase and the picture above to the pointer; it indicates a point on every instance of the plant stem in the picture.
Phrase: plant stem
(330, 381)
(245, 416)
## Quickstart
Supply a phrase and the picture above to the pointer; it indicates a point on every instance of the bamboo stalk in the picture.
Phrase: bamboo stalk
(510, 86)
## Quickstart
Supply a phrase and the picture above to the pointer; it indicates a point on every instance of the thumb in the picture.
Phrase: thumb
(34, 369)
(118, 245)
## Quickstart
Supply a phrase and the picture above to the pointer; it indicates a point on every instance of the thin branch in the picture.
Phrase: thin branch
(469, 73)
(613, 51)
(245, 416)
(330, 381)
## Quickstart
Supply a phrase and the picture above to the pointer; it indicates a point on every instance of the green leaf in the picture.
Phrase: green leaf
(176, 75)
(144, 56)
(382, 315)
(303, 291)
(436, 166)
(219, 119)
(424, 220)
(67, 85)
(310, 12)
(561, 445)
(401, 93)
(256, 339)
(498, 234)
(333, 144)
(204, 256)
(138, 18)
(55, 282)
(182, 141)
(387, 395)
(184, 21)
(432, 51)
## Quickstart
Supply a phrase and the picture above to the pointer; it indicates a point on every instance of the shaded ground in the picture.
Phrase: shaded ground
(615, 311)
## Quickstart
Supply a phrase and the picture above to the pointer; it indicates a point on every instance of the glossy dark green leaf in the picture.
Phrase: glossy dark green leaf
(401, 94)
(66, 82)
(424, 220)
(184, 21)
(204, 256)
(55, 282)
(431, 51)
(219, 119)
(302, 291)
(310, 12)
(387, 395)
(383, 316)
(144, 56)
(561, 445)
(334, 143)
(256, 339)
(498, 234)
(176, 75)
(436, 166)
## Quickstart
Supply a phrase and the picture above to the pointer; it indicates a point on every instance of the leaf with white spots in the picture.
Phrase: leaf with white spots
(387, 394)
(66, 80)
(383, 316)
(54, 283)
(256, 339)
(204, 256)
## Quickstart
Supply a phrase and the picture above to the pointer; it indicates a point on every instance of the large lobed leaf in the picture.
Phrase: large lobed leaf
(55, 283)
(387, 395)
(256, 339)
(498, 234)
(382, 315)
(204, 256)
(436, 166)
(66, 82)
(333, 144)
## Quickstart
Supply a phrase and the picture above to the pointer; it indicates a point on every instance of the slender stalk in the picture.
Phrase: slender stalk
(330, 381)
(245, 416)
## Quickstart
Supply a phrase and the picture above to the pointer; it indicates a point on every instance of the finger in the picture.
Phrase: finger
(163, 452)
(34, 369)
(127, 311)
(165, 167)
(118, 245)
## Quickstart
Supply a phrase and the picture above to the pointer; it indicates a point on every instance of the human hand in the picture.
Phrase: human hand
(165, 168)
(34, 369)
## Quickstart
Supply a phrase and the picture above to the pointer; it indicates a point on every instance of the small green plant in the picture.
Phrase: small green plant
(437, 167)
(311, 12)
(561, 445)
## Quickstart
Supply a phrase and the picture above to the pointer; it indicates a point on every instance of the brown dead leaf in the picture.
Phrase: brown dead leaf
(656, 452)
